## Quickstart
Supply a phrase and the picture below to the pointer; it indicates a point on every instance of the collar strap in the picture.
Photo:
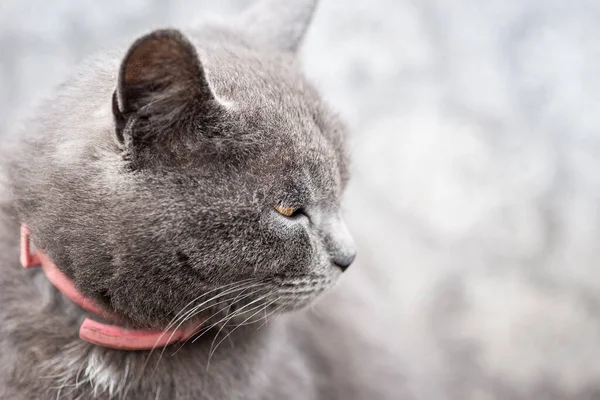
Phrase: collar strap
(106, 335)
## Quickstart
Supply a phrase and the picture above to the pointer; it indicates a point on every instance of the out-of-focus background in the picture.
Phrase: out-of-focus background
(476, 139)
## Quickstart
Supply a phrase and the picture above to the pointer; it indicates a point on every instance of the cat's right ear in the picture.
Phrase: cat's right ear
(160, 78)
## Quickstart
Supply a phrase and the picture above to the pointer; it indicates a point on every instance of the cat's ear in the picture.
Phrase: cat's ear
(160, 76)
(280, 24)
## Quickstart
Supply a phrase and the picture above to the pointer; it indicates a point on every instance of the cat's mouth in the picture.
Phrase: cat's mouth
(254, 302)
(296, 293)
(249, 302)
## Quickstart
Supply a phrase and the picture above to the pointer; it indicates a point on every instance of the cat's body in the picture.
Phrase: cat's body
(147, 215)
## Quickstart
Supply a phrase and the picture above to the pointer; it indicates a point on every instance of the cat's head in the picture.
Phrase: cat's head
(218, 174)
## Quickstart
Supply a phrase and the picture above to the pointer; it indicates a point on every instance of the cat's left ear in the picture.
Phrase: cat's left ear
(279, 24)
(160, 77)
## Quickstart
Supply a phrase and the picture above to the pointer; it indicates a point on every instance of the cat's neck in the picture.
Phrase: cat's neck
(245, 350)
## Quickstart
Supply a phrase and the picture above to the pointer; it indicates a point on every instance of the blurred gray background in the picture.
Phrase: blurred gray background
(475, 133)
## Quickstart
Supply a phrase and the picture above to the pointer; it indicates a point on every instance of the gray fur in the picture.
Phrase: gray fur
(151, 179)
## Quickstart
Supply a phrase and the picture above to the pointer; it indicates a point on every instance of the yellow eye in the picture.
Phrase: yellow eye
(287, 211)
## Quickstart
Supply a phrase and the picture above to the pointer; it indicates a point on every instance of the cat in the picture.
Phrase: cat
(194, 178)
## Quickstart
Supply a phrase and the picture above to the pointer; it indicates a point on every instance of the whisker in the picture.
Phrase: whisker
(179, 315)
(228, 318)
(187, 314)
(270, 315)
(236, 313)
(199, 327)
(190, 314)
(202, 295)
(196, 309)
(263, 306)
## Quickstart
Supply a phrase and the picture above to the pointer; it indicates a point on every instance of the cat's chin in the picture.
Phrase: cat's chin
(245, 303)
(277, 305)
(280, 295)
(296, 293)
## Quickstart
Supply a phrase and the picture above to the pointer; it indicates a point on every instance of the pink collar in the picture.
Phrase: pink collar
(106, 335)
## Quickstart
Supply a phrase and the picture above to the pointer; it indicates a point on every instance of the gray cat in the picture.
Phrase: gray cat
(194, 179)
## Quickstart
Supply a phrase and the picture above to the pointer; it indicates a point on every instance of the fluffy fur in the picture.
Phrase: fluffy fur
(151, 179)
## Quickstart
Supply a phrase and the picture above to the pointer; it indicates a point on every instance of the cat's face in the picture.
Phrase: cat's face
(224, 187)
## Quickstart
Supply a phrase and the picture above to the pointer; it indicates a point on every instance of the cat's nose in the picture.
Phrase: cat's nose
(339, 243)
(344, 261)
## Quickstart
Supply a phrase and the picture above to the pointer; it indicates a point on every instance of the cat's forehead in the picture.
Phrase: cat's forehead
(281, 109)
(302, 157)
(245, 76)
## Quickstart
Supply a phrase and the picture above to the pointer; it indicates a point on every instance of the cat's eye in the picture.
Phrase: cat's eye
(286, 211)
